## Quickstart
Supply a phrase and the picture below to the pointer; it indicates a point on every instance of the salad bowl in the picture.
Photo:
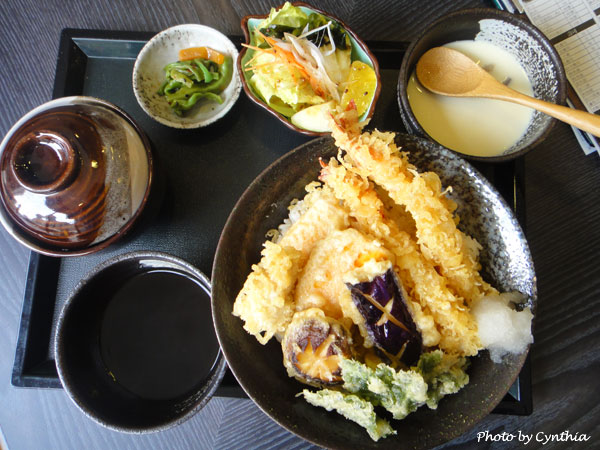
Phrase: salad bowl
(506, 262)
(359, 54)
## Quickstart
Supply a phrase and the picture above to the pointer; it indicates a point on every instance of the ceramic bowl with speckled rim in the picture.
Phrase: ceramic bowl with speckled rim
(506, 262)
(360, 52)
(163, 49)
(523, 41)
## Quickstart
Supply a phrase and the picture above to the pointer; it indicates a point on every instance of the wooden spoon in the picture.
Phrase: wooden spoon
(449, 72)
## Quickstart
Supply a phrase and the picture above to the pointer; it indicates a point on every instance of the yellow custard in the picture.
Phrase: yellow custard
(475, 126)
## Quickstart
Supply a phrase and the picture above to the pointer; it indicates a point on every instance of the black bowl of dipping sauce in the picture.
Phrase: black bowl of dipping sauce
(135, 346)
(523, 41)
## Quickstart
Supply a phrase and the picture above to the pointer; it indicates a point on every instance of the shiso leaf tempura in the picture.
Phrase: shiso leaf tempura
(399, 392)
(373, 290)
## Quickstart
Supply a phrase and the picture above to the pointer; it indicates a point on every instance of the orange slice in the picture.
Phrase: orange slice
(360, 86)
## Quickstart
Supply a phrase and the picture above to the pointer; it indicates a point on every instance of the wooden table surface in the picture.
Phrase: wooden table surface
(562, 223)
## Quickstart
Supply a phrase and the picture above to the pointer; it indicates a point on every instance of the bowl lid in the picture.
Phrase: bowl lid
(73, 172)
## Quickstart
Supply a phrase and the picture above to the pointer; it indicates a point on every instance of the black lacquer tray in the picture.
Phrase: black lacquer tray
(200, 175)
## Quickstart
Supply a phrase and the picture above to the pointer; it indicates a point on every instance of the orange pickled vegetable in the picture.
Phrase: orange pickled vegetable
(185, 54)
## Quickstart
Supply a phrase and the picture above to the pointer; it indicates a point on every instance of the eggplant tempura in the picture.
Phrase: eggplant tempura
(369, 285)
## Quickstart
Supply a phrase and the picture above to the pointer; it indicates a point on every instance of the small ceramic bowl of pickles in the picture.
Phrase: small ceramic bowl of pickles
(301, 63)
(186, 76)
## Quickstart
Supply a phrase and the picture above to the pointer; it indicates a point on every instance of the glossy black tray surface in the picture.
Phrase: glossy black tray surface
(200, 175)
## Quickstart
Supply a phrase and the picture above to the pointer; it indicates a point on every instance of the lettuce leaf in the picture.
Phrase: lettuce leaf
(279, 89)
(287, 16)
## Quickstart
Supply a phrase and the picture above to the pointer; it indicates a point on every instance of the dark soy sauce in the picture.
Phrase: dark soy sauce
(157, 339)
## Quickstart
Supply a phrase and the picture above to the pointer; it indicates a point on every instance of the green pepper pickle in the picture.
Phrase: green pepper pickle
(186, 82)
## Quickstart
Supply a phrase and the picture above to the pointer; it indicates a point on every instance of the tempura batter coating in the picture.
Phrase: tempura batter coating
(369, 272)
(440, 316)
(342, 257)
(375, 156)
(322, 214)
(304, 267)
(266, 301)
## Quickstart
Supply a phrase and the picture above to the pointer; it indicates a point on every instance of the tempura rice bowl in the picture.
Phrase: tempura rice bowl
(484, 215)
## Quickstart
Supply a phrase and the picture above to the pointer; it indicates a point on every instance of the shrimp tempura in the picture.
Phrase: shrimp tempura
(375, 156)
(431, 302)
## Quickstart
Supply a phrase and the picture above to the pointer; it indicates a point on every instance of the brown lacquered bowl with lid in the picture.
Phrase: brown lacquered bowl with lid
(75, 173)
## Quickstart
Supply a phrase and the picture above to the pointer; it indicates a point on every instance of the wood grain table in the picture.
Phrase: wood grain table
(562, 222)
